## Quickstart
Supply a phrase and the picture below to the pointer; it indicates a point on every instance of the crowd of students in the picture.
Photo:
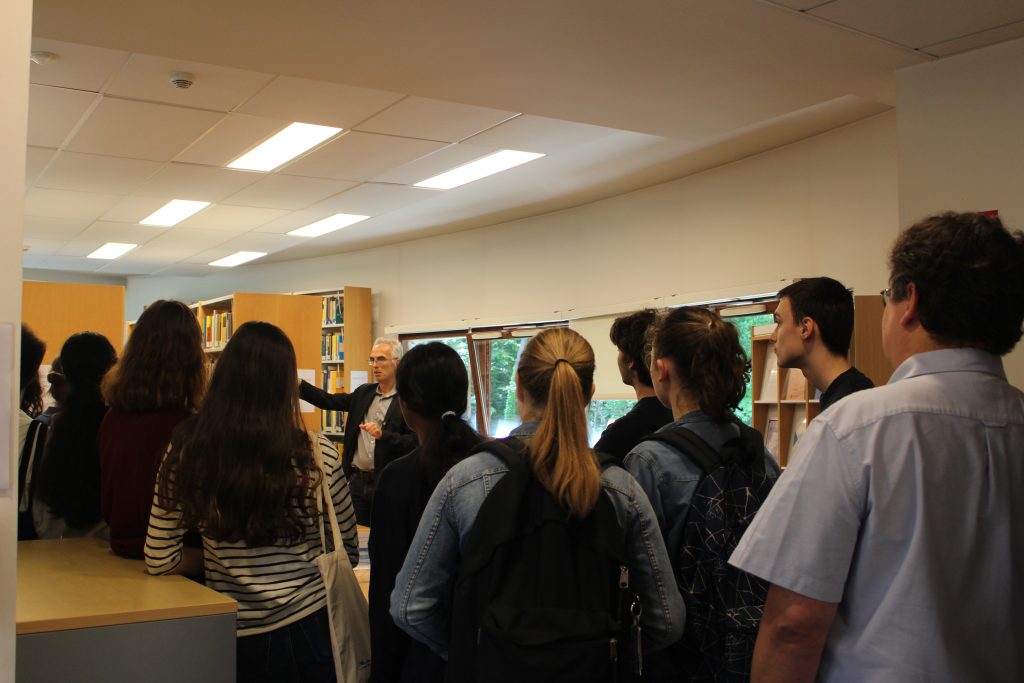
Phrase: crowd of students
(538, 556)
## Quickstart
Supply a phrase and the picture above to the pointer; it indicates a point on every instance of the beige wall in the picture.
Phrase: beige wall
(824, 205)
(961, 139)
(16, 18)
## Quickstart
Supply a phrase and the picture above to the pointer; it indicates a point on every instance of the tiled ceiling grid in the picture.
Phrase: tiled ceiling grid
(111, 140)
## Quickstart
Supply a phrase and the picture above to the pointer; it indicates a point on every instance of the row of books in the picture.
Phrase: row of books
(332, 346)
(333, 310)
(217, 328)
(332, 421)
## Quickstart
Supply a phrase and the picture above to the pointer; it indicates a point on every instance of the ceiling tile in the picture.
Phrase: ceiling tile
(63, 229)
(187, 270)
(128, 266)
(102, 232)
(200, 183)
(134, 209)
(253, 241)
(81, 67)
(327, 104)
(184, 242)
(221, 88)
(141, 130)
(235, 135)
(432, 164)
(916, 23)
(288, 192)
(54, 112)
(36, 159)
(360, 156)
(30, 260)
(373, 199)
(976, 40)
(39, 247)
(81, 265)
(419, 117)
(95, 173)
(67, 204)
(231, 218)
(539, 134)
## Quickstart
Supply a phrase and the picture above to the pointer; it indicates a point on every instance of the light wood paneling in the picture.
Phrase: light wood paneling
(868, 355)
(358, 333)
(57, 310)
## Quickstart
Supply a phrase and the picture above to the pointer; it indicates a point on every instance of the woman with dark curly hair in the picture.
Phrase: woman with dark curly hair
(156, 384)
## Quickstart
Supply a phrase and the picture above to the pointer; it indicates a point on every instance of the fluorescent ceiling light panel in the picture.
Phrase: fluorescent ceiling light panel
(174, 212)
(112, 250)
(238, 259)
(481, 168)
(285, 146)
(329, 224)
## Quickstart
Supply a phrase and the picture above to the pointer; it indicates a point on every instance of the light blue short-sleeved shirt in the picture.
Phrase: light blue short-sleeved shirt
(905, 505)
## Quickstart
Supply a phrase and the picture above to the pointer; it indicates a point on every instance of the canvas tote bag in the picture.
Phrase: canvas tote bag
(347, 610)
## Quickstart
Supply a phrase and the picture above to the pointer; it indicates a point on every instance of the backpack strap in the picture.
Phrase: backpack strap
(510, 450)
(691, 445)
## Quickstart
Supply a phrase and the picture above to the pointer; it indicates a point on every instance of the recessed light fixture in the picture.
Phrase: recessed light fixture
(238, 258)
(112, 250)
(329, 224)
(285, 146)
(481, 168)
(174, 212)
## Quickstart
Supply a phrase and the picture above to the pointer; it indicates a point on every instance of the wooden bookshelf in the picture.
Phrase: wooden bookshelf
(345, 329)
(297, 316)
(785, 397)
(57, 310)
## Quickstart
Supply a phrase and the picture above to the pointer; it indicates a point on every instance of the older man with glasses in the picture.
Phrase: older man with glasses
(375, 431)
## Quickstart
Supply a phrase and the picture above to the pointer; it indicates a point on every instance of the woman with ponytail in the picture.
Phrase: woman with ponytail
(433, 391)
(555, 383)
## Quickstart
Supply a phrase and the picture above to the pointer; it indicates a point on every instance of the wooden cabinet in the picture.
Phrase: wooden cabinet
(57, 310)
(784, 401)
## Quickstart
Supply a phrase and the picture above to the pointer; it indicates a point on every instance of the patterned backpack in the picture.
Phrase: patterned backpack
(723, 604)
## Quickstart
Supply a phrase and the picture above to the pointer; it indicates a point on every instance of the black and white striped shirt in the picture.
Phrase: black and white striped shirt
(274, 585)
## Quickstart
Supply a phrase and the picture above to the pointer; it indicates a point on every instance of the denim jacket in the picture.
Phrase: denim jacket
(420, 602)
(670, 479)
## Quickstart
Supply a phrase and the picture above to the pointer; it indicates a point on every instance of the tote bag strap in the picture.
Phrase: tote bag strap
(324, 503)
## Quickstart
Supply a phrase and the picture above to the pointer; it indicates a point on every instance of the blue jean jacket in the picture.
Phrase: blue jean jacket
(420, 602)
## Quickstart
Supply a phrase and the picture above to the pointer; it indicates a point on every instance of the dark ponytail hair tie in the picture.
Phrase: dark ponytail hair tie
(562, 360)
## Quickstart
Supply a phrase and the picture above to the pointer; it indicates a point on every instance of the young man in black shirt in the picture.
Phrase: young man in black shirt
(628, 333)
(813, 327)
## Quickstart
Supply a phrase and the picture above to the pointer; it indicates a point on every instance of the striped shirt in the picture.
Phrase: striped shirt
(273, 585)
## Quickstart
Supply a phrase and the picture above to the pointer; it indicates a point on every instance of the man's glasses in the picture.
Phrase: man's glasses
(886, 295)
(377, 360)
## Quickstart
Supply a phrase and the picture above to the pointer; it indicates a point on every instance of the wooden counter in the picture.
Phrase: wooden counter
(85, 614)
(80, 583)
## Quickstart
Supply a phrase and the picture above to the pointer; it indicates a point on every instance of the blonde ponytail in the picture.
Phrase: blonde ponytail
(557, 371)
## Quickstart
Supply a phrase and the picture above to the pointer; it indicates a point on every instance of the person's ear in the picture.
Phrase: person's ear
(909, 317)
(807, 328)
(660, 370)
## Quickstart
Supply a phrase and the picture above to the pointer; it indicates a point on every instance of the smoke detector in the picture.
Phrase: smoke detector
(182, 80)
(42, 57)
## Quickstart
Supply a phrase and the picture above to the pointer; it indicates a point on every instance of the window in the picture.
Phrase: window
(461, 345)
(743, 324)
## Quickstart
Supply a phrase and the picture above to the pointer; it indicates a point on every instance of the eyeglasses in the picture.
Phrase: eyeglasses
(886, 295)
(378, 360)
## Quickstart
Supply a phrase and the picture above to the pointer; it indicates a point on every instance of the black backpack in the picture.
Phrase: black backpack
(539, 596)
(28, 467)
(723, 604)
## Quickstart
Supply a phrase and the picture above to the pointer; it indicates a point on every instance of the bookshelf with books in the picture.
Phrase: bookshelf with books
(345, 339)
(297, 316)
(784, 402)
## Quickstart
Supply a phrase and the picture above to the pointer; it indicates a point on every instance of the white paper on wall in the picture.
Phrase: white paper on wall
(309, 376)
(6, 409)
(359, 378)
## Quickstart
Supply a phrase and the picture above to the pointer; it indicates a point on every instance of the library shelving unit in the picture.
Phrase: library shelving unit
(784, 401)
(345, 316)
(297, 316)
(57, 310)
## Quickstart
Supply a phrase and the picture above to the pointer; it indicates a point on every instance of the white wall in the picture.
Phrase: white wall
(16, 18)
(824, 205)
(961, 139)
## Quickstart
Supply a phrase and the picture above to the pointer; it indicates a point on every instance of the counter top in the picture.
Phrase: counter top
(79, 583)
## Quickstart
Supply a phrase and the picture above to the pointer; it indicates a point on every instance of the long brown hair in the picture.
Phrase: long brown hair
(163, 366)
(556, 370)
(707, 356)
(242, 468)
